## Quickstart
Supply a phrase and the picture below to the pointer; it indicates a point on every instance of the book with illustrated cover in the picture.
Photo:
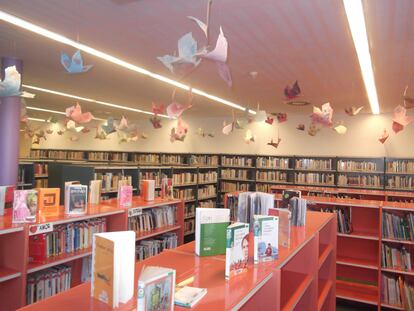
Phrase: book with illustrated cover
(148, 189)
(95, 189)
(76, 199)
(188, 296)
(125, 195)
(6, 196)
(211, 226)
(266, 236)
(25, 206)
(237, 249)
(113, 264)
(156, 287)
(49, 201)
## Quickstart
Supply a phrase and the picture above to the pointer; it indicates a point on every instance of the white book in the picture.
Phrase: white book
(237, 249)
(188, 296)
(266, 238)
(113, 267)
(210, 232)
(156, 287)
(76, 199)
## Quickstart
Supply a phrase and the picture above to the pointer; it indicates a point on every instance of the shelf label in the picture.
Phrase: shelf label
(42, 228)
(134, 212)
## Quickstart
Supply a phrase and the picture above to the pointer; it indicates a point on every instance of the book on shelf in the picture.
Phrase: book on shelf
(398, 227)
(148, 189)
(188, 296)
(25, 206)
(400, 166)
(113, 267)
(266, 238)
(287, 195)
(397, 291)
(363, 166)
(152, 247)
(6, 197)
(76, 199)
(298, 208)
(86, 274)
(167, 191)
(95, 189)
(49, 201)
(125, 196)
(210, 232)
(395, 257)
(154, 218)
(156, 287)
(237, 249)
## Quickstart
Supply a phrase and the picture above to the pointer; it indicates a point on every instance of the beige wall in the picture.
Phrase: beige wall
(360, 140)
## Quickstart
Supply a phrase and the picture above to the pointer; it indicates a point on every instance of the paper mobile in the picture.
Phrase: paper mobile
(249, 137)
(144, 135)
(40, 134)
(384, 136)
(313, 129)
(239, 124)
(28, 133)
(179, 132)
(156, 122)
(158, 109)
(100, 134)
(49, 131)
(74, 64)
(187, 50)
(224, 72)
(281, 116)
(269, 120)
(60, 132)
(122, 137)
(408, 101)
(85, 130)
(322, 116)
(219, 54)
(109, 127)
(253, 74)
(123, 124)
(75, 113)
(71, 125)
(203, 26)
(353, 111)
(228, 128)
(202, 133)
(175, 110)
(10, 86)
(74, 138)
(292, 92)
(274, 143)
(400, 119)
(340, 129)
(25, 94)
(300, 127)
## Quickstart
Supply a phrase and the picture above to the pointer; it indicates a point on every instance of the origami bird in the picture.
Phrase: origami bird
(75, 64)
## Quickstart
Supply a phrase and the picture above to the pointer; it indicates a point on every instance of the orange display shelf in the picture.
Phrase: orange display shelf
(152, 233)
(261, 287)
(8, 274)
(324, 289)
(357, 262)
(357, 292)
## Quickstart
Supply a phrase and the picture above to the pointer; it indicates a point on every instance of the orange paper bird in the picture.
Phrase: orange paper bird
(273, 143)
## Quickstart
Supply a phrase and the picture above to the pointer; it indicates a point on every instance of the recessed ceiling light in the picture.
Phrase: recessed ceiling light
(298, 103)
(36, 119)
(109, 58)
(356, 20)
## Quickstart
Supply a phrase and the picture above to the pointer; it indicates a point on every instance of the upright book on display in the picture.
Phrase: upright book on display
(49, 201)
(76, 199)
(237, 249)
(156, 287)
(125, 195)
(113, 266)
(266, 238)
(211, 226)
(25, 206)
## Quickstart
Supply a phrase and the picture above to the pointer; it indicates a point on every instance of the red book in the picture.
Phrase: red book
(37, 248)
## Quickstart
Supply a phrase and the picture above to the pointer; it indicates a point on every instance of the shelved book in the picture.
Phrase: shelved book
(396, 257)
(6, 197)
(113, 266)
(237, 249)
(210, 235)
(151, 247)
(398, 227)
(25, 206)
(266, 238)
(156, 287)
(125, 195)
(95, 190)
(76, 199)
(298, 209)
(188, 296)
(398, 292)
(49, 201)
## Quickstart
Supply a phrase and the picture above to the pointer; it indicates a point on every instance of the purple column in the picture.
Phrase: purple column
(9, 130)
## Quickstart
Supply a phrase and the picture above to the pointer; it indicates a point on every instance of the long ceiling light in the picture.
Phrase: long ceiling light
(90, 100)
(356, 20)
(36, 119)
(55, 111)
(87, 49)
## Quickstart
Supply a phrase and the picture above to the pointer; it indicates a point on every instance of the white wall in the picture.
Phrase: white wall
(360, 140)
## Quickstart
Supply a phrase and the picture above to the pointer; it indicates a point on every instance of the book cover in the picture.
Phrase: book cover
(76, 199)
(25, 206)
(125, 196)
(237, 249)
(211, 226)
(266, 236)
(287, 195)
(95, 189)
(156, 286)
(188, 296)
(49, 201)
(284, 224)
(148, 189)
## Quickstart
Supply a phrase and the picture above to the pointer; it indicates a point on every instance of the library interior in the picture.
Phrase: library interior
(154, 156)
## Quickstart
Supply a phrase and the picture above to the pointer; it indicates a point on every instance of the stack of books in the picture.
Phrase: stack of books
(153, 219)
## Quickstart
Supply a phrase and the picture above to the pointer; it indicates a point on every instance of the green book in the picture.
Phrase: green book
(211, 225)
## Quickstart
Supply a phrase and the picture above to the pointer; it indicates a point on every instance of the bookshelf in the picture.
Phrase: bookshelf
(18, 243)
(26, 176)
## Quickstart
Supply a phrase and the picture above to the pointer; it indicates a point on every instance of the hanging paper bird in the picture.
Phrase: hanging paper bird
(300, 127)
(74, 65)
(340, 129)
(156, 122)
(384, 136)
(123, 124)
(28, 132)
(202, 133)
(134, 135)
(144, 135)
(313, 129)
(292, 92)
(239, 124)
(274, 143)
(269, 120)
(10, 86)
(175, 110)
(122, 137)
(74, 138)
(322, 116)
(71, 126)
(100, 134)
(353, 111)
(158, 109)
(179, 132)
(408, 101)
(61, 132)
(75, 113)
(109, 127)
(85, 130)
(227, 128)
(249, 137)
(49, 131)
(400, 119)
(281, 116)
(203, 26)
(40, 134)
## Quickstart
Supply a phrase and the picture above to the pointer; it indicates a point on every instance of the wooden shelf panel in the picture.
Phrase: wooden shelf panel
(8, 274)
(398, 271)
(327, 250)
(323, 292)
(57, 260)
(298, 293)
(357, 292)
(385, 305)
(149, 234)
(397, 241)
(208, 197)
(359, 235)
(355, 262)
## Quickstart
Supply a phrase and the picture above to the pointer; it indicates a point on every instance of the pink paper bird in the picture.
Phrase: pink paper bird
(156, 122)
(75, 113)
(300, 127)
(400, 119)
(384, 136)
(269, 120)
(322, 116)
(292, 92)
(158, 109)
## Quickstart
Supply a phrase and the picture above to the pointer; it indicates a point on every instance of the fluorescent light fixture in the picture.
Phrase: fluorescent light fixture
(88, 100)
(37, 119)
(55, 111)
(87, 49)
(356, 20)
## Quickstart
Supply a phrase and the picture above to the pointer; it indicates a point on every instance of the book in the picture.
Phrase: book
(148, 189)
(49, 201)
(76, 199)
(156, 287)
(266, 238)
(210, 235)
(298, 208)
(113, 267)
(95, 189)
(25, 206)
(188, 296)
(287, 195)
(125, 195)
(284, 224)
(237, 249)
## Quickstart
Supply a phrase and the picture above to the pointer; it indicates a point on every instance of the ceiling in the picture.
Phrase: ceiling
(283, 41)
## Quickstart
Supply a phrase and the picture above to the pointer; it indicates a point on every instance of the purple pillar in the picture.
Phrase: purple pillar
(9, 130)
